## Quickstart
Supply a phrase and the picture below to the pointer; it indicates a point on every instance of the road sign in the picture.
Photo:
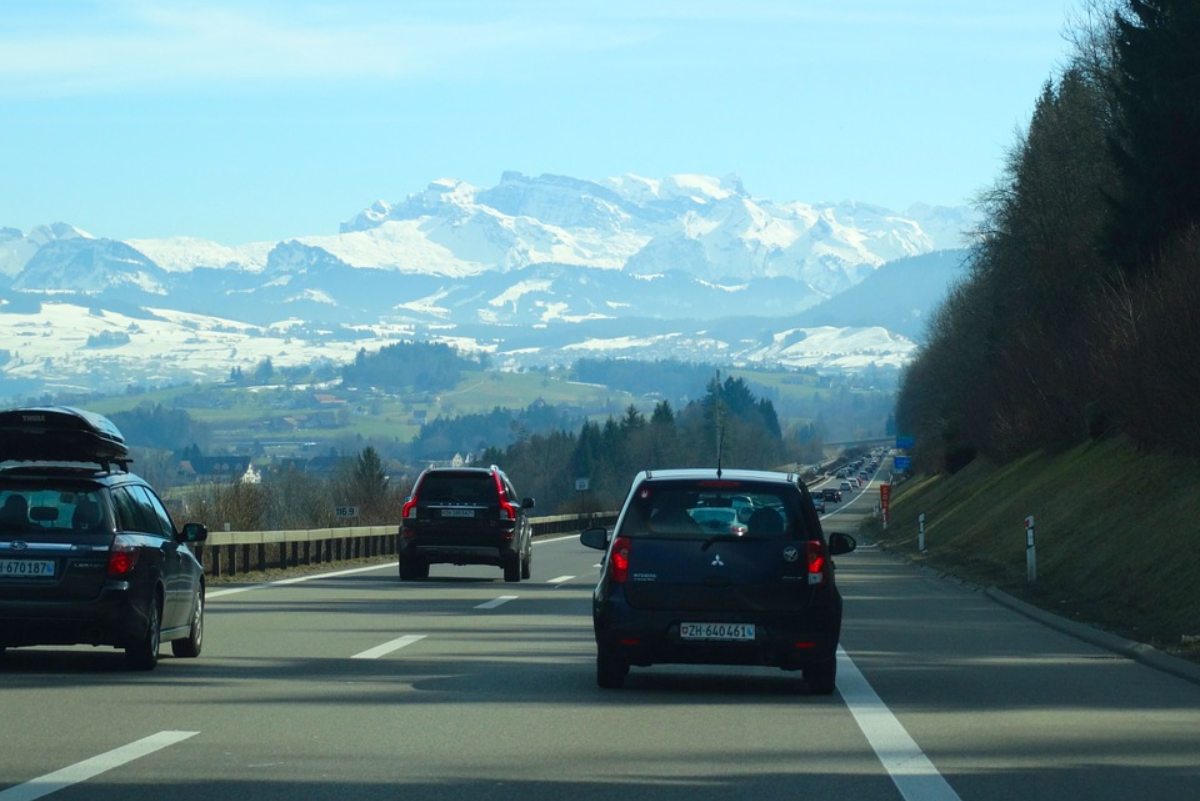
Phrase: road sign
(342, 512)
(582, 484)
(901, 464)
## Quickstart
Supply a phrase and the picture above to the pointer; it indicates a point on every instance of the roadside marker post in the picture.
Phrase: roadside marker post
(1030, 552)
(921, 532)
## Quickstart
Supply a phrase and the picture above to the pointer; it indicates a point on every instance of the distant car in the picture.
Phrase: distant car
(818, 501)
(832, 495)
(846, 487)
(465, 516)
(719, 519)
(671, 591)
(88, 552)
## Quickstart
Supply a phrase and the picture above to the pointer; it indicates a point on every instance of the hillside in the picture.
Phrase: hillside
(1115, 532)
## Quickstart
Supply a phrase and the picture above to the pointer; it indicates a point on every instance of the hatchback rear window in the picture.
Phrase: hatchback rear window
(477, 488)
(688, 509)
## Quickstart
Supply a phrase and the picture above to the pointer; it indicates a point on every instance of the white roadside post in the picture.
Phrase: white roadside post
(921, 532)
(1030, 552)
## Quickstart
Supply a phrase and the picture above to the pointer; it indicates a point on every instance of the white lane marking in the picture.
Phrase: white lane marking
(492, 604)
(388, 647)
(297, 580)
(913, 774)
(82, 771)
(560, 580)
(211, 594)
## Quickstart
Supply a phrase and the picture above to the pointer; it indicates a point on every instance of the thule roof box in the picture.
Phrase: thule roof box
(61, 434)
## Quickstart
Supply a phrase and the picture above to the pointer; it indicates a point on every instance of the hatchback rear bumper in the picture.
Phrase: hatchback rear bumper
(788, 641)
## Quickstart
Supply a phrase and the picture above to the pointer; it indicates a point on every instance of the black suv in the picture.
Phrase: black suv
(88, 552)
(465, 516)
(674, 591)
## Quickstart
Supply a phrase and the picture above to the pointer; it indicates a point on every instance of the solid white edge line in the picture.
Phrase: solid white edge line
(316, 576)
(88, 768)
(910, 770)
(386, 648)
(492, 604)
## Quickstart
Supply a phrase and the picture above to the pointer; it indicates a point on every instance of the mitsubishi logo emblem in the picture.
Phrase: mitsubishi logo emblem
(716, 562)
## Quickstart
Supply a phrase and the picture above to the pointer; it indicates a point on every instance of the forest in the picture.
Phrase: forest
(1078, 317)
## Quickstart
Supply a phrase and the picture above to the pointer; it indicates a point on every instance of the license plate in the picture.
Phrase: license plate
(26, 568)
(458, 513)
(717, 632)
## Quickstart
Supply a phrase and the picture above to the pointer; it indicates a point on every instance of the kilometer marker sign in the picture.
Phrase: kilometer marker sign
(885, 498)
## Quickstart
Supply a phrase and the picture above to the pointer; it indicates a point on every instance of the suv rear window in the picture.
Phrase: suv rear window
(448, 487)
(688, 509)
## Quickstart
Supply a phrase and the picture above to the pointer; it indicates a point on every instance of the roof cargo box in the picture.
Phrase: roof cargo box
(60, 434)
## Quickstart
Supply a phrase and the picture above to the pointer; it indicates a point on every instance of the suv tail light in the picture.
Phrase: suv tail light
(122, 558)
(507, 510)
(816, 562)
(620, 559)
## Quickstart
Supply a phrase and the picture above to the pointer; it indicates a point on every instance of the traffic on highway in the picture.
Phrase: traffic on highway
(351, 684)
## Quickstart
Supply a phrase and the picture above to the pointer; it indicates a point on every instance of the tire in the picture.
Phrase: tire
(410, 568)
(822, 677)
(527, 565)
(143, 654)
(513, 570)
(610, 670)
(189, 647)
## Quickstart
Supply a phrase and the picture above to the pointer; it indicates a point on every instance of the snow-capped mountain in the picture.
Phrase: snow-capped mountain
(534, 270)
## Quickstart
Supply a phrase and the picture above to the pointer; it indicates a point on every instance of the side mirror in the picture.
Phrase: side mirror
(527, 503)
(193, 533)
(594, 538)
(840, 543)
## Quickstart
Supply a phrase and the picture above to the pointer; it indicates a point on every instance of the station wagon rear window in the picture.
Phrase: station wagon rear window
(64, 510)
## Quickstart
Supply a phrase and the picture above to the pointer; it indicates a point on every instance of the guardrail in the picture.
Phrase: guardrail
(233, 552)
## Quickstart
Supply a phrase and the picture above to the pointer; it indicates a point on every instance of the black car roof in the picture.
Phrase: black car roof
(61, 434)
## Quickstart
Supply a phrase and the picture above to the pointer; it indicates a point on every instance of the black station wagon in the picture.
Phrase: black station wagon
(88, 552)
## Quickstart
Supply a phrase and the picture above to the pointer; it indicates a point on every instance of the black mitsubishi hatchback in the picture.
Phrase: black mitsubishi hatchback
(718, 567)
(88, 552)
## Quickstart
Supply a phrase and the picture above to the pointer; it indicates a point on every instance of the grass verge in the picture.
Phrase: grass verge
(1117, 536)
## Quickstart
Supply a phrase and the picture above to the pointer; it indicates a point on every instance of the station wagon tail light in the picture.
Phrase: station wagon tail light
(816, 562)
(122, 558)
(620, 560)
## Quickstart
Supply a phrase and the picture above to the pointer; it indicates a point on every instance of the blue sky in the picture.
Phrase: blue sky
(260, 120)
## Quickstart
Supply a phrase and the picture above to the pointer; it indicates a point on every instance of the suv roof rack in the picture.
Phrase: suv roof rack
(61, 434)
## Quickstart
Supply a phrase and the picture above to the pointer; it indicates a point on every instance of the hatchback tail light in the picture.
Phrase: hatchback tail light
(816, 562)
(620, 559)
(122, 558)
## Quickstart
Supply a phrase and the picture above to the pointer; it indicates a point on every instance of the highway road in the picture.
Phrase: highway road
(352, 685)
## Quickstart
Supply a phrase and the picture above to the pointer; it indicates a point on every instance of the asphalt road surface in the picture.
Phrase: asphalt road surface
(355, 686)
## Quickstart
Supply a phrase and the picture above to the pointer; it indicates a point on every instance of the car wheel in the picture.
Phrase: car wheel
(527, 565)
(822, 677)
(512, 570)
(421, 569)
(410, 568)
(143, 654)
(610, 670)
(190, 645)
